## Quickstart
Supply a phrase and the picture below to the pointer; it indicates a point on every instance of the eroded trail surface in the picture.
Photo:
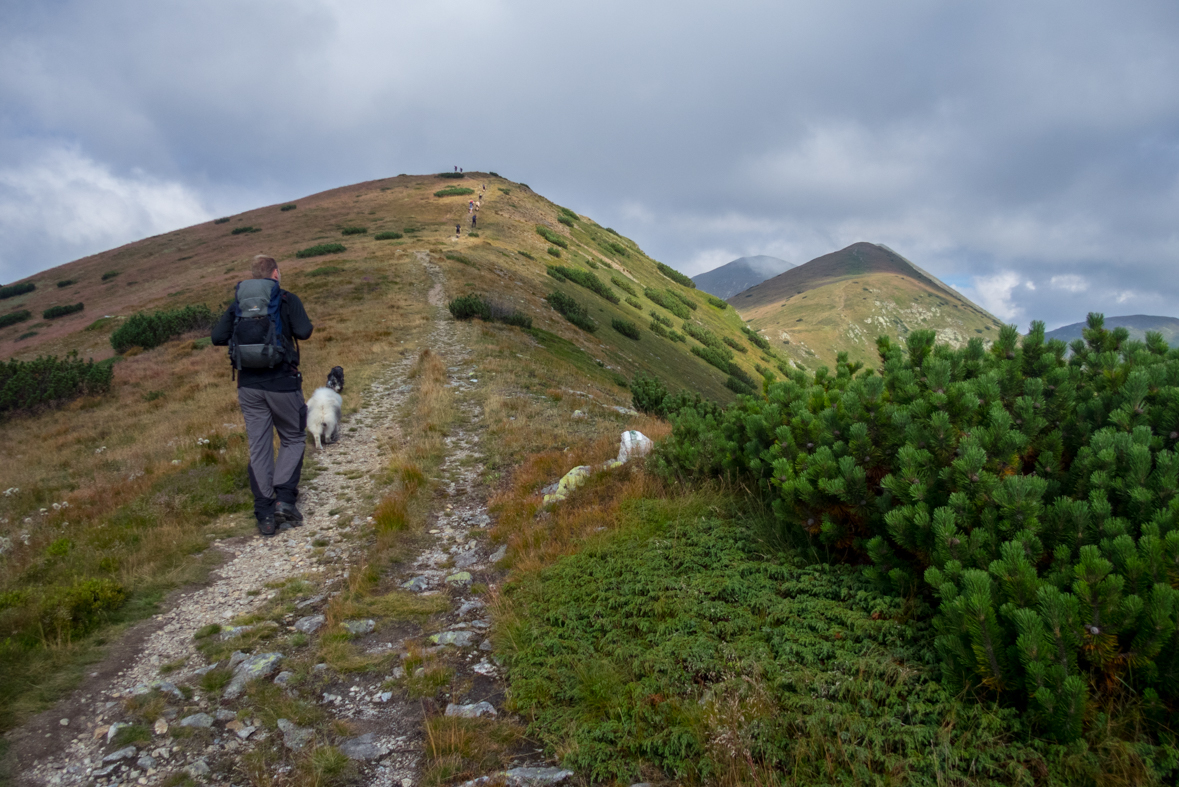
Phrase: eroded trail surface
(207, 732)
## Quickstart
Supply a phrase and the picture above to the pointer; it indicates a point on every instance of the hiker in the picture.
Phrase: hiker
(473, 217)
(458, 230)
(260, 328)
(456, 167)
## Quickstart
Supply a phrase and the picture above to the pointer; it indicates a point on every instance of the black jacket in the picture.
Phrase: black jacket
(295, 324)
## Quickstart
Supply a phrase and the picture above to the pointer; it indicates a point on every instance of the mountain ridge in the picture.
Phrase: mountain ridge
(739, 275)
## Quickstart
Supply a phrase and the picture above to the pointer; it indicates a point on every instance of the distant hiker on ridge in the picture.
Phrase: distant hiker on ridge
(260, 327)
(458, 230)
(473, 217)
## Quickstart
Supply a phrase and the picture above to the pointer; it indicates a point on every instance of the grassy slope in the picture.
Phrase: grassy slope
(846, 299)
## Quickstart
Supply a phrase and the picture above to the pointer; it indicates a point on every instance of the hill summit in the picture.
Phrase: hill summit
(847, 298)
(1136, 324)
(740, 274)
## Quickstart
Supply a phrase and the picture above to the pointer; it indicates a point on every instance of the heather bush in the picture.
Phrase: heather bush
(1032, 496)
(148, 330)
(53, 312)
(13, 290)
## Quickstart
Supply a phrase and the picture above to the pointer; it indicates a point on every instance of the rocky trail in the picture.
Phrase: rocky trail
(205, 732)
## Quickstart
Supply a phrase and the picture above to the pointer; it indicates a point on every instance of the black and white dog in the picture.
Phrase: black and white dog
(323, 409)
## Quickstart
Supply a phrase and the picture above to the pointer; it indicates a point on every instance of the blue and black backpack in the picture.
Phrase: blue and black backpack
(257, 339)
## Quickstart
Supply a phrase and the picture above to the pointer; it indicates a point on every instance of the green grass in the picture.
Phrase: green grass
(684, 643)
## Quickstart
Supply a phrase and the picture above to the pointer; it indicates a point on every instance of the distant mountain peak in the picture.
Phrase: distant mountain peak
(740, 274)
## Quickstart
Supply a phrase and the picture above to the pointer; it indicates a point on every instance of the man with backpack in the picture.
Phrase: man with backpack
(261, 327)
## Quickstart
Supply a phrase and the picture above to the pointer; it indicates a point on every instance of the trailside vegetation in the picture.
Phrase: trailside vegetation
(50, 380)
(148, 330)
(571, 310)
(467, 307)
(1029, 495)
(13, 290)
(675, 276)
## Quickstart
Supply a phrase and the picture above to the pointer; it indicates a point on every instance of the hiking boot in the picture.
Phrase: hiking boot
(286, 512)
(267, 526)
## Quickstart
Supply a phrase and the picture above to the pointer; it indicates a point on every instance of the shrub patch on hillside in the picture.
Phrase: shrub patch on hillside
(148, 330)
(469, 306)
(354, 230)
(50, 380)
(675, 276)
(244, 230)
(585, 279)
(667, 302)
(552, 237)
(454, 191)
(571, 310)
(53, 312)
(717, 302)
(623, 284)
(626, 328)
(388, 235)
(12, 318)
(67, 282)
(758, 340)
(321, 249)
(13, 290)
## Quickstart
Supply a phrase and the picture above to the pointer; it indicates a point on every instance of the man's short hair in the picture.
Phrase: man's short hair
(263, 266)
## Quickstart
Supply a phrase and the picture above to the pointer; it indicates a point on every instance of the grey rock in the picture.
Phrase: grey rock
(246, 732)
(365, 626)
(309, 601)
(114, 730)
(146, 761)
(283, 678)
(642, 784)
(499, 554)
(417, 584)
(208, 669)
(294, 736)
(460, 639)
(168, 688)
(202, 720)
(237, 657)
(310, 624)
(486, 645)
(229, 632)
(125, 753)
(363, 747)
(198, 768)
(472, 711)
(467, 559)
(470, 606)
(253, 668)
(100, 773)
(528, 777)
(481, 520)
(319, 668)
(386, 696)
(459, 578)
(224, 715)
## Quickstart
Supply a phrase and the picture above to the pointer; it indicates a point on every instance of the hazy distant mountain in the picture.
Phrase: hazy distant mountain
(740, 274)
(844, 300)
(1136, 324)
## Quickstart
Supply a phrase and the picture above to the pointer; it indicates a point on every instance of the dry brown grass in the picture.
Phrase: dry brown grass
(465, 748)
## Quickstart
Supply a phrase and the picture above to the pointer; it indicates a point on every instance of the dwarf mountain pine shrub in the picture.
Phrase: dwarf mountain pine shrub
(758, 340)
(244, 230)
(1031, 495)
(568, 222)
(454, 191)
(675, 276)
(552, 237)
(12, 318)
(585, 279)
(321, 249)
(717, 302)
(354, 230)
(571, 310)
(626, 328)
(13, 290)
(736, 345)
(285, 208)
(667, 302)
(623, 284)
(389, 235)
(148, 330)
(110, 275)
(67, 282)
(53, 312)
(50, 380)
(634, 302)
(684, 299)
(467, 307)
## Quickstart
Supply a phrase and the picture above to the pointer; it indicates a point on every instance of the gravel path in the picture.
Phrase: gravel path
(386, 725)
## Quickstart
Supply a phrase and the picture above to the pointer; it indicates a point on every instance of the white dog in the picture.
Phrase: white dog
(323, 416)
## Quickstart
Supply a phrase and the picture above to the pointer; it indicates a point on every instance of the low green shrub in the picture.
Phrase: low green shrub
(526, 255)
(67, 282)
(553, 251)
(626, 328)
(634, 302)
(590, 263)
(12, 318)
(504, 191)
(110, 275)
(571, 310)
(285, 208)
(622, 284)
(684, 299)
(647, 394)
(493, 174)
(736, 345)
(659, 318)
(611, 246)
(244, 230)
(675, 276)
(388, 235)
(321, 249)
(659, 330)
(78, 608)
(717, 302)
(667, 302)
(708, 338)
(26, 335)
(452, 175)
(454, 191)
(224, 220)
(714, 356)
(469, 306)
(677, 337)
(739, 386)
(568, 222)
(758, 340)
(148, 330)
(1032, 496)
(50, 380)
(588, 280)
(354, 231)
(566, 213)
(13, 290)
(552, 237)
(460, 258)
(555, 272)
(53, 312)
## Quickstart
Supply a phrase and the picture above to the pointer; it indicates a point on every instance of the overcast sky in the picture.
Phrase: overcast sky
(1027, 153)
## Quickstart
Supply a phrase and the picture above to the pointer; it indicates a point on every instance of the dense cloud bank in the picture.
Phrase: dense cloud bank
(1027, 153)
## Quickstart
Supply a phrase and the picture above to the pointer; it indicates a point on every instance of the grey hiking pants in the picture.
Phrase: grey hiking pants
(265, 411)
